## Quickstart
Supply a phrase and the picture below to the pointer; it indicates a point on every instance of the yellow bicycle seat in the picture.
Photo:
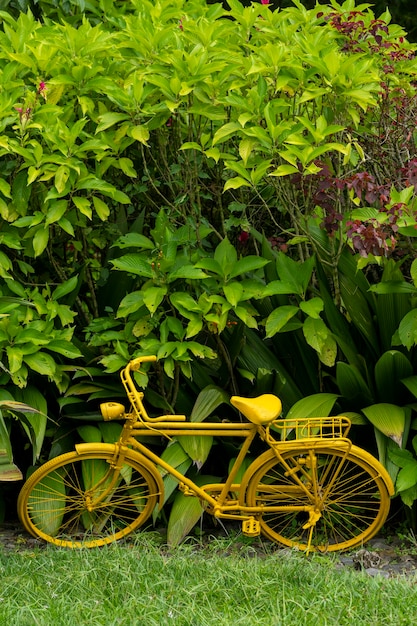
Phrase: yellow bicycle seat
(261, 410)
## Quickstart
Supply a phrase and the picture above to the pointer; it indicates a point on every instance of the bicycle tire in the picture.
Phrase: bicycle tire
(53, 503)
(353, 493)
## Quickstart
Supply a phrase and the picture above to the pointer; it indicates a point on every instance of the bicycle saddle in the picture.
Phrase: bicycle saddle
(261, 410)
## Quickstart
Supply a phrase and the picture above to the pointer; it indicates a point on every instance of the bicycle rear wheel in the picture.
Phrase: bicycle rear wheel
(349, 491)
(60, 502)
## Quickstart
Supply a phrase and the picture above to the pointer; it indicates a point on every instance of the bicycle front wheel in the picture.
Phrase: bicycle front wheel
(349, 492)
(78, 500)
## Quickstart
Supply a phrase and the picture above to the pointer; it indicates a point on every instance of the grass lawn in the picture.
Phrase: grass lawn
(222, 583)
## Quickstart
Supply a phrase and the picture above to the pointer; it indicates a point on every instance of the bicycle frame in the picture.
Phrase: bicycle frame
(219, 506)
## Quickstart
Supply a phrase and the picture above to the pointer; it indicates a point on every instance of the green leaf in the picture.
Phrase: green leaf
(279, 318)
(247, 264)
(285, 170)
(407, 476)
(134, 264)
(41, 363)
(90, 434)
(319, 337)
(130, 304)
(236, 183)
(390, 368)
(109, 119)
(152, 297)
(233, 292)
(134, 240)
(40, 240)
(101, 208)
(56, 211)
(407, 330)
(185, 513)
(48, 519)
(390, 419)
(278, 287)
(393, 286)
(9, 472)
(5, 443)
(312, 307)
(65, 288)
(187, 272)
(316, 405)
(140, 133)
(66, 348)
(352, 384)
(226, 256)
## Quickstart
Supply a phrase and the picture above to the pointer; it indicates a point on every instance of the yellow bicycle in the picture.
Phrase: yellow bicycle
(311, 489)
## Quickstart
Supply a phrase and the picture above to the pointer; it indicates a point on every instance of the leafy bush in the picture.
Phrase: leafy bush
(224, 189)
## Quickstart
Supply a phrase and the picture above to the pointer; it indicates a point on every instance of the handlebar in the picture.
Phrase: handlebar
(136, 363)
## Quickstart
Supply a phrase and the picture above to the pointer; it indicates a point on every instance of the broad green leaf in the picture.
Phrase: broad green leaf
(185, 303)
(233, 292)
(5, 188)
(109, 119)
(5, 443)
(46, 518)
(185, 513)
(400, 457)
(101, 208)
(352, 384)
(226, 256)
(247, 264)
(56, 211)
(407, 330)
(40, 240)
(279, 318)
(152, 297)
(316, 405)
(285, 170)
(187, 272)
(278, 287)
(319, 337)
(207, 401)
(61, 178)
(140, 133)
(312, 307)
(236, 183)
(83, 205)
(65, 288)
(90, 434)
(130, 304)
(390, 368)
(211, 265)
(134, 264)
(134, 240)
(407, 476)
(411, 384)
(390, 419)
(9, 471)
(41, 362)
(66, 348)
(393, 286)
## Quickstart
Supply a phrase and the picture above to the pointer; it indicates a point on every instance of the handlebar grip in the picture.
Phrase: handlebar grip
(135, 363)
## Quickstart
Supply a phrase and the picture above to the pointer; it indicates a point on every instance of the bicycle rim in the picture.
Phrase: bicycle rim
(352, 497)
(60, 502)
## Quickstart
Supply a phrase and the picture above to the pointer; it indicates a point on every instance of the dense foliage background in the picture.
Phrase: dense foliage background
(232, 189)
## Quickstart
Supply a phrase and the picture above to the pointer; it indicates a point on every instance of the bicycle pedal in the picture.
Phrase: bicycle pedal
(251, 528)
